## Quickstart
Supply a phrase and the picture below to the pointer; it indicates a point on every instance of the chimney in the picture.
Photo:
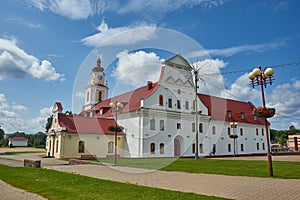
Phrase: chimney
(150, 85)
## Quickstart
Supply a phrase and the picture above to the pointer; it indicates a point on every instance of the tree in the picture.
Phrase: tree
(49, 123)
(1, 134)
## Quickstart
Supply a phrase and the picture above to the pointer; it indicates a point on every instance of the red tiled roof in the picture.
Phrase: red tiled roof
(131, 100)
(91, 125)
(18, 138)
(218, 108)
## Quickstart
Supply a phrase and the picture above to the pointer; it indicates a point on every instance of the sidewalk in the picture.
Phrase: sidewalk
(233, 187)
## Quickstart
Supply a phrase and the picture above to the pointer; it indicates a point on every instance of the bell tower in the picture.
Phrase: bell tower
(96, 90)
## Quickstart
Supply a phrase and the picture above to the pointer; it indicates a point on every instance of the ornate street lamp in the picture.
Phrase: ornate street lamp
(116, 106)
(263, 78)
(234, 136)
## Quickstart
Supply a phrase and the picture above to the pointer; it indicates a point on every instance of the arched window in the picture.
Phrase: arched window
(214, 130)
(193, 148)
(201, 148)
(228, 130)
(242, 147)
(161, 148)
(56, 146)
(100, 96)
(193, 127)
(81, 147)
(152, 124)
(152, 148)
(110, 147)
(162, 125)
(161, 100)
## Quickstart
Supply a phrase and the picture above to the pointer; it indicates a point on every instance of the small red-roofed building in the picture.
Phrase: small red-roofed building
(157, 120)
(18, 142)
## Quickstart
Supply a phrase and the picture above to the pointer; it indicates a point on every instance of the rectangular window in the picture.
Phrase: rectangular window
(241, 131)
(194, 105)
(257, 146)
(242, 147)
(214, 130)
(229, 147)
(193, 127)
(257, 131)
(263, 146)
(262, 132)
(186, 105)
(229, 114)
(201, 128)
(170, 103)
(193, 148)
(255, 117)
(228, 130)
(242, 115)
(178, 126)
(178, 104)
(152, 124)
(161, 125)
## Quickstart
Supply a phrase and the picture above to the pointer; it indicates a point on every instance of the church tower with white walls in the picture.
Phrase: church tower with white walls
(96, 90)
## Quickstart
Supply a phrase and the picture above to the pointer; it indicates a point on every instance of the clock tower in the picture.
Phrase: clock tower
(96, 90)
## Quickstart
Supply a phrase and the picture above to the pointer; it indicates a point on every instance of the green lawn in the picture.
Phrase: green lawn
(256, 168)
(58, 185)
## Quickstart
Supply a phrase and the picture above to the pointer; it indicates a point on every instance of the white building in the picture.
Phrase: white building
(159, 119)
(18, 142)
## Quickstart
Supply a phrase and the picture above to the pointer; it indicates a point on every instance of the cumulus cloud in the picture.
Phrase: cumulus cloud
(119, 36)
(15, 62)
(11, 117)
(210, 79)
(136, 68)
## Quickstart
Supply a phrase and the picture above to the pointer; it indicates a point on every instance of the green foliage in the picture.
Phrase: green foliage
(281, 136)
(58, 185)
(1, 134)
(49, 123)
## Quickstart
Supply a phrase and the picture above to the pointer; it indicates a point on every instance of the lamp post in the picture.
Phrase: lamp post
(234, 136)
(196, 78)
(116, 106)
(263, 78)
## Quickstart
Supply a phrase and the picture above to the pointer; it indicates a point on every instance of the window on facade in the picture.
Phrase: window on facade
(262, 132)
(152, 148)
(193, 127)
(228, 130)
(257, 146)
(194, 105)
(193, 148)
(110, 147)
(186, 105)
(178, 126)
(255, 117)
(242, 147)
(229, 147)
(229, 114)
(201, 128)
(161, 125)
(263, 146)
(214, 130)
(87, 96)
(178, 104)
(100, 96)
(56, 146)
(256, 131)
(152, 124)
(81, 147)
(161, 148)
(170, 103)
(241, 131)
(161, 100)
(242, 115)
(201, 147)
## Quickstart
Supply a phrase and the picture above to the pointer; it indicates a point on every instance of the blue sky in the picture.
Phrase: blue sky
(47, 49)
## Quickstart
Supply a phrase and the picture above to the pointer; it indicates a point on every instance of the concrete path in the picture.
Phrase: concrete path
(233, 187)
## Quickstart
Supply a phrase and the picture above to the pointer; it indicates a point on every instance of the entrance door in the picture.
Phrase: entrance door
(176, 147)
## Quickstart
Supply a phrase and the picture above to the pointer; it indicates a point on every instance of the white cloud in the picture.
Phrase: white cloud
(80, 95)
(230, 51)
(240, 90)
(23, 22)
(135, 69)
(211, 81)
(11, 118)
(73, 9)
(119, 36)
(15, 62)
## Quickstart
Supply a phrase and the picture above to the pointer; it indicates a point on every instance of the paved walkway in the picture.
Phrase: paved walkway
(233, 187)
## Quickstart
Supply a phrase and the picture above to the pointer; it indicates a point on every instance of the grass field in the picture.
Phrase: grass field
(57, 185)
(256, 168)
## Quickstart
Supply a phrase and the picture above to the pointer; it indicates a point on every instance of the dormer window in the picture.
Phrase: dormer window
(101, 111)
(229, 115)
(242, 115)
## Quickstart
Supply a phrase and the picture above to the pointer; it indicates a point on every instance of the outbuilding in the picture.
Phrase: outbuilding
(18, 142)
